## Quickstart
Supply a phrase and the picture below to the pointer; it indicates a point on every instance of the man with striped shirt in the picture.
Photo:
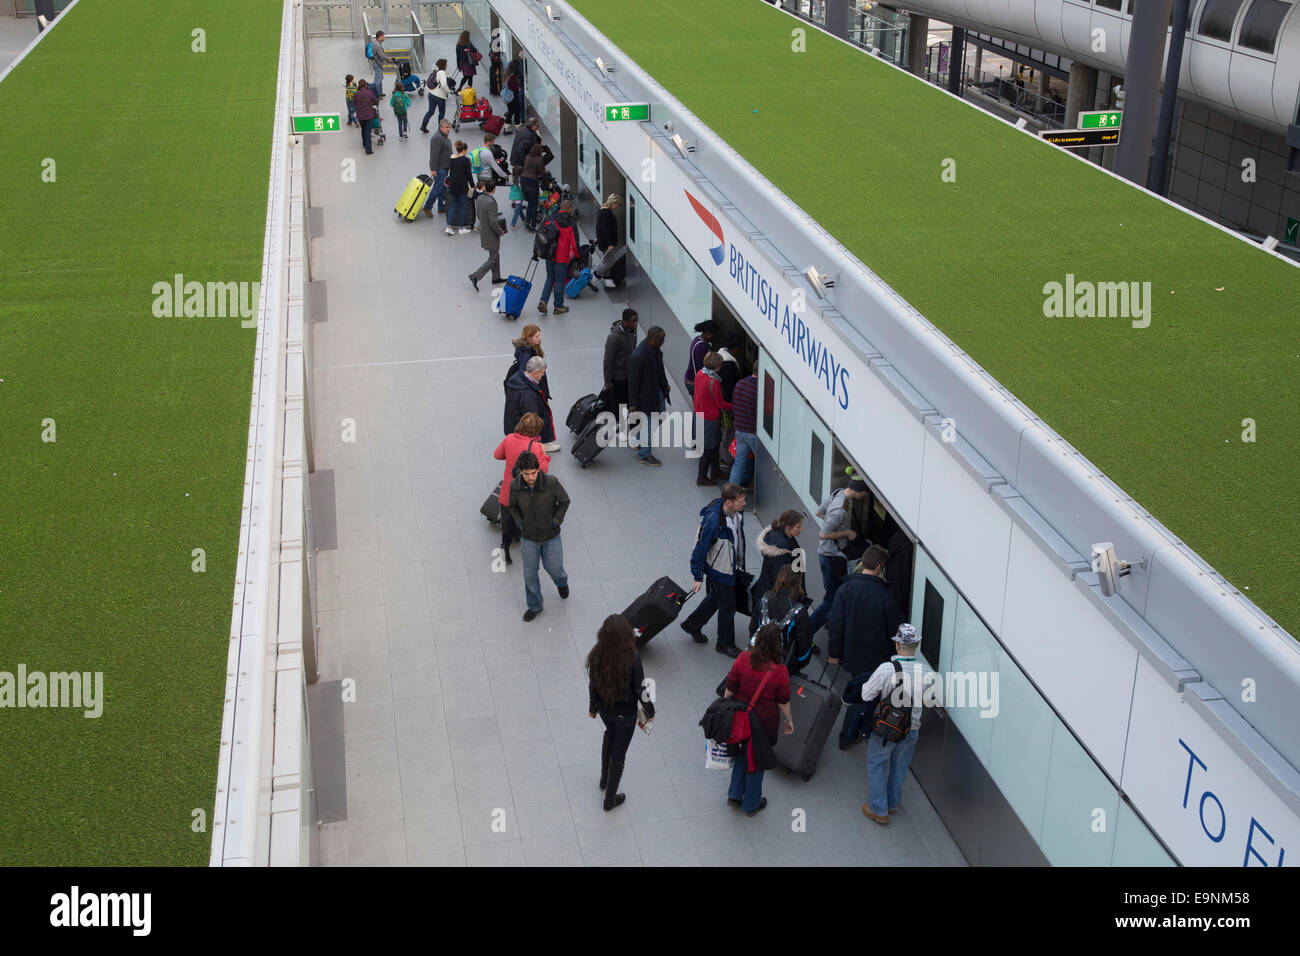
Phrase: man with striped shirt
(887, 762)
(744, 407)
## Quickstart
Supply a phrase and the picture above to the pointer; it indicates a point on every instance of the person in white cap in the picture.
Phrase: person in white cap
(887, 761)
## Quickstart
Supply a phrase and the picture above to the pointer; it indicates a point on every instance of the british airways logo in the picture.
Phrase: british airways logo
(715, 227)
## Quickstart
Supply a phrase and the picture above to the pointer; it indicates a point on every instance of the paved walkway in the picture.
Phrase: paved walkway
(464, 715)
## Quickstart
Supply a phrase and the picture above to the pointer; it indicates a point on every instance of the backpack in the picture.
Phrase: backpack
(370, 49)
(890, 722)
(788, 623)
(514, 368)
(546, 240)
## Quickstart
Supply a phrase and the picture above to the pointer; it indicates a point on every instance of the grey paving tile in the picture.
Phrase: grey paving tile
(608, 845)
(435, 797)
(525, 755)
(476, 761)
(377, 844)
(368, 716)
(653, 805)
(543, 818)
(664, 839)
(447, 856)
(334, 844)
(531, 725)
(373, 774)
(489, 825)
(719, 832)
(483, 790)
(786, 853)
(533, 786)
(425, 768)
(560, 849)
(370, 744)
(380, 805)
(683, 859)
(508, 853)
(436, 832)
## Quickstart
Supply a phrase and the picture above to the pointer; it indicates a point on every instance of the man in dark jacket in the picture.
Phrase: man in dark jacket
(538, 504)
(647, 386)
(440, 150)
(366, 103)
(490, 230)
(618, 352)
(863, 622)
(718, 555)
(525, 139)
(524, 393)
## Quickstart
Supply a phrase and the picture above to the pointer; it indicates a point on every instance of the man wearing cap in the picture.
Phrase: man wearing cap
(862, 626)
(835, 534)
(887, 761)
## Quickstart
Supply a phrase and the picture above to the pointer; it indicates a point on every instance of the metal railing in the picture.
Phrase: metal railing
(328, 18)
(1047, 110)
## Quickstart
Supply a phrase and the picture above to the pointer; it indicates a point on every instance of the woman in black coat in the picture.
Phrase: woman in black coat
(614, 691)
(777, 544)
(467, 57)
(787, 606)
(526, 346)
(607, 239)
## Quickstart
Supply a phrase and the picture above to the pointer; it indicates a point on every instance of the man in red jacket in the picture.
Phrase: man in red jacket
(559, 241)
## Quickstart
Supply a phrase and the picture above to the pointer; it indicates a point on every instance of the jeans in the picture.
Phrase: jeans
(403, 124)
(352, 112)
(551, 554)
(557, 274)
(530, 188)
(643, 451)
(493, 265)
(436, 104)
(855, 716)
(458, 210)
(365, 134)
(520, 208)
(835, 569)
(379, 79)
(438, 192)
(887, 765)
(742, 469)
(722, 599)
(745, 786)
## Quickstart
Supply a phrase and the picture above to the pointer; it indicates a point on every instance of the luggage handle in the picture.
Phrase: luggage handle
(818, 681)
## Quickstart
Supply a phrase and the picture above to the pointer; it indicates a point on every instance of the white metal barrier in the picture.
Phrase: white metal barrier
(265, 806)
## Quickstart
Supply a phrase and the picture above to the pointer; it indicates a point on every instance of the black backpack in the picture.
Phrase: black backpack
(514, 368)
(890, 722)
(546, 240)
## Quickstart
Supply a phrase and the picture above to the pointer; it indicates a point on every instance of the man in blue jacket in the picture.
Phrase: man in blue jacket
(719, 553)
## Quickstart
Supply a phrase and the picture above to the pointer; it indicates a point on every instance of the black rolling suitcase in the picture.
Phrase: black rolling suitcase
(584, 412)
(491, 508)
(656, 609)
(814, 707)
(587, 445)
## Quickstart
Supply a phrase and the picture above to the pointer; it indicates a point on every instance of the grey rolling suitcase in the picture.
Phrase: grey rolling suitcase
(814, 707)
(491, 509)
(587, 445)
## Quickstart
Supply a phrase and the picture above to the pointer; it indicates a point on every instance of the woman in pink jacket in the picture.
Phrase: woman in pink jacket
(523, 438)
(710, 403)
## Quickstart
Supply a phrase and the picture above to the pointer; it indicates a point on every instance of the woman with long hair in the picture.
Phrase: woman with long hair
(778, 545)
(615, 680)
(526, 346)
(786, 606)
(467, 57)
(759, 678)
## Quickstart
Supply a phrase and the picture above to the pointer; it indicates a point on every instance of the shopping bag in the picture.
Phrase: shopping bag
(715, 756)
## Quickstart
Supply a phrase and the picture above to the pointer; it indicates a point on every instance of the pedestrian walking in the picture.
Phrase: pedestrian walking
(778, 544)
(438, 92)
(647, 391)
(523, 439)
(459, 189)
(557, 241)
(529, 345)
(709, 405)
(902, 680)
(619, 345)
(744, 410)
(467, 60)
(538, 504)
(524, 393)
(366, 103)
(718, 554)
(441, 151)
(616, 690)
(759, 680)
(492, 226)
(378, 60)
(862, 626)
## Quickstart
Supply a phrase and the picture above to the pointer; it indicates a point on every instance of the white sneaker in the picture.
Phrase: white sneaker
(450, 231)
(463, 230)
(551, 447)
(611, 284)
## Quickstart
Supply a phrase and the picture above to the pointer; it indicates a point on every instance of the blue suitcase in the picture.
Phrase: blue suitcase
(514, 294)
(578, 283)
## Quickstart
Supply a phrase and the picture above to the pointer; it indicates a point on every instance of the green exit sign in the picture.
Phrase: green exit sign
(316, 123)
(638, 112)
(1100, 119)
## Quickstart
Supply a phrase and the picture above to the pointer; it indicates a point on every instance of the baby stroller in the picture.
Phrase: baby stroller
(377, 136)
(410, 83)
(471, 109)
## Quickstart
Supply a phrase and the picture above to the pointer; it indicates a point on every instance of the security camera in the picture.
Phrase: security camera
(551, 14)
(820, 282)
(605, 68)
(1108, 567)
(683, 147)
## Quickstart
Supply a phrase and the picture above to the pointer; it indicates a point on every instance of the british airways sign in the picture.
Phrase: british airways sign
(748, 274)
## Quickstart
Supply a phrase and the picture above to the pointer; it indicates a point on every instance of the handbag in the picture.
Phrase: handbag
(744, 581)
(716, 757)
(508, 95)
(516, 193)
(478, 57)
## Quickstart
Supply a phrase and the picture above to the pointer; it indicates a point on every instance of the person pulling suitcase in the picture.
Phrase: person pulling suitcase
(718, 555)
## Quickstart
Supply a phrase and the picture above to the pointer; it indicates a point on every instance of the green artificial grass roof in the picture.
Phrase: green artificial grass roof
(161, 160)
(861, 148)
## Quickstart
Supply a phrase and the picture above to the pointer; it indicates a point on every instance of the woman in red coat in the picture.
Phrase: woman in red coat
(710, 403)
(760, 680)
(523, 438)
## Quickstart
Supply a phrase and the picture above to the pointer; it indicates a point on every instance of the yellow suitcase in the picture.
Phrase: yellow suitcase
(468, 97)
(413, 198)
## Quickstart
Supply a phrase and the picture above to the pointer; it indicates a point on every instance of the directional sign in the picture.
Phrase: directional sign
(1081, 137)
(627, 111)
(316, 123)
(1292, 235)
(1100, 119)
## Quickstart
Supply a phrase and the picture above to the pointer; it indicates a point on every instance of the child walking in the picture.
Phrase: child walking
(400, 103)
(350, 90)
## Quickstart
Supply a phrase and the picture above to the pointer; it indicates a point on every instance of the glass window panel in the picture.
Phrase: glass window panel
(932, 623)
(816, 467)
(769, 405)
(1110, 4)
(974, 659)
(1080, 801)
(1021, 749)
(1263, 21)
(924, 572)
(1217, 18)
(1134, 844)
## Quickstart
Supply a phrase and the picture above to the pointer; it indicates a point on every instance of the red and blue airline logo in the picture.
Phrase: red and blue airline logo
(715, 227)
